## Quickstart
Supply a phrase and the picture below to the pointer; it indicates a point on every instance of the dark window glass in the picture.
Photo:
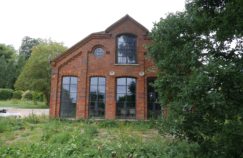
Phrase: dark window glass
(126, 49)
(126, 98)
(154, 109)
(97, 97)
(68, 97)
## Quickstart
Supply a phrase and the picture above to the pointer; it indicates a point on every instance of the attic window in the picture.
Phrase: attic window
(98, 52)
(126, 49)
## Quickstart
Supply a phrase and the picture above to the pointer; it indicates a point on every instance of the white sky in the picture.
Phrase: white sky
(69, 21)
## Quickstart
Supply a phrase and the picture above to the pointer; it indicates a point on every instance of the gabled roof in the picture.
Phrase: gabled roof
(123, 19)
(96, 35)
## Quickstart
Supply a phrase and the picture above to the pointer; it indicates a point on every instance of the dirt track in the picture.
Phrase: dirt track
(19, 112)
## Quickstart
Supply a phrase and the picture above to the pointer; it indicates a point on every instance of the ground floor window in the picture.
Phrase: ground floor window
(68, 96)
(97, 97)
(126, 98)
(153, 106)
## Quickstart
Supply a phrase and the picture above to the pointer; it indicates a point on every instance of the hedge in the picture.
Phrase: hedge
(6, 93)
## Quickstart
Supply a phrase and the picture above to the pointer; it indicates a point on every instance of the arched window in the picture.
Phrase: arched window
(97, 97)
(126, 49)
(126, 97)
(68, 96)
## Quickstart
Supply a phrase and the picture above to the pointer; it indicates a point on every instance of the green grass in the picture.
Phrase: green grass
(43, 137)
(22, 104)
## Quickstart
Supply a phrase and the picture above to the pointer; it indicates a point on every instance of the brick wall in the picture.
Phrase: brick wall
(79, 61)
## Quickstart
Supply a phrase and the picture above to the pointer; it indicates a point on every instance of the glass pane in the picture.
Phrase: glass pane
(131, 87)
(65, 96)
(93, 96)
(120, 97)
(126, 47)
(121, 81)
(94, 81)
(98, 52)
(93, 89)
(65, 80)
(101, 106)
(101, 97)
(101, 81)
(65, 87)
(74, 80)
(73, 88)
(121, 89)
(73, 97)
(102, 89)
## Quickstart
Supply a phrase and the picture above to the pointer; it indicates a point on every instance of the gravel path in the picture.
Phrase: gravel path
(19, 112)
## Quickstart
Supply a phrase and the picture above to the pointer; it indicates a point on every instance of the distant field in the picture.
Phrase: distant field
(39, 137)
(22, 104)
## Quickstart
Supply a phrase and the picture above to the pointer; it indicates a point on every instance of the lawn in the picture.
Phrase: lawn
(22, 104)
(43, 137)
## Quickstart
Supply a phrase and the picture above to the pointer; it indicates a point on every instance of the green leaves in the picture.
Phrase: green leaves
(199, 56)
(36, 73)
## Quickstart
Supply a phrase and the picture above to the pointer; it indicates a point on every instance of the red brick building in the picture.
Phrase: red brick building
(105, 75)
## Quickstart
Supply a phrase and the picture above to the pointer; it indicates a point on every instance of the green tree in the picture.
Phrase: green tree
(7, 66)
(199, 56)
(36, 73)
(27, 44)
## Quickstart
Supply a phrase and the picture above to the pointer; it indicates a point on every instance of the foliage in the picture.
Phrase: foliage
(41, 137)
(27, 95)
(36, 73)
(8, 73)
(37, 96)
(27, 44)
(198, 53)
(6, 94)
(16, 103)
(17, 95)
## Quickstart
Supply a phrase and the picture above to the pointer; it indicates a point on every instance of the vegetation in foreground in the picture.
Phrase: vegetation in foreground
(16, 103)
(42, 137)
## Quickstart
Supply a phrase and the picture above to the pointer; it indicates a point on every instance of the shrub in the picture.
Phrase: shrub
(6, 94)
(17, 95)
(27, 95)
(37, 96)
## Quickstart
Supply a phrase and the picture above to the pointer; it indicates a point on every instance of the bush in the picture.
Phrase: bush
(17, 95)
(6, 94)
(37, 96)
(27, 95)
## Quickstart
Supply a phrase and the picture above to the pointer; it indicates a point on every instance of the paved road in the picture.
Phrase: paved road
(19, 112)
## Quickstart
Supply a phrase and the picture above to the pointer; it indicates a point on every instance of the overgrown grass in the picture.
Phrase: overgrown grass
(41, 137)
(22, 104)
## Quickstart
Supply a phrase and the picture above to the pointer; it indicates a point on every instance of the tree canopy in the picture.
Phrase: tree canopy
(7, 66)
(36, 73)
(198, 53)
(27, 44)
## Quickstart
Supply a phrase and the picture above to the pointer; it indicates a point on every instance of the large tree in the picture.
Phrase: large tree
(8, 66)
(199, 56)
(27, 44)
(36, 73)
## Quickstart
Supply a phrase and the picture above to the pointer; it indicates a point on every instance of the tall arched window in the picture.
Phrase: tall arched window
(126, 49)
(68, 96)
(126, 97)
(97, 97)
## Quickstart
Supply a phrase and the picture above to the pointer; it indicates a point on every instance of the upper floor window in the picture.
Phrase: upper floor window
(126, 49)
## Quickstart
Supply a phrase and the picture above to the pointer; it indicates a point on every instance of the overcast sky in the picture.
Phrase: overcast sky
(69, 21)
